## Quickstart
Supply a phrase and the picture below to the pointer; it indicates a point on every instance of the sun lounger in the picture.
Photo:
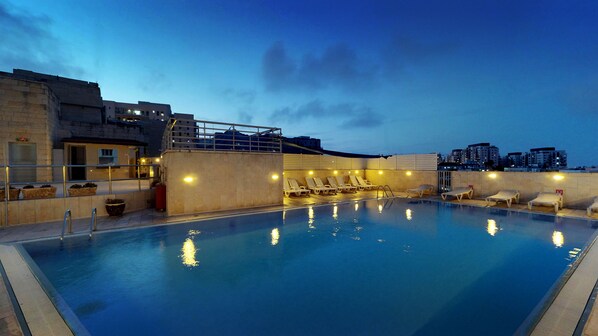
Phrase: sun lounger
(290, 186)
(354, 182)
(311, 184)
(593, 207)
(421, 190)
(321, 184)
(340, 187)
(458, 193)
(366, 183)
(506, 196)
(549, 199)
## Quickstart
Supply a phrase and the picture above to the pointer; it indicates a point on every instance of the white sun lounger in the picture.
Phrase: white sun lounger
(340, 181)
(317, 190)
(354, 183)
(421, 190)
(593, 207)
(506, 196)
(290, 186)
(340, 187)
(321, 184)
(548, 199)
(360, 183)
(458, 193)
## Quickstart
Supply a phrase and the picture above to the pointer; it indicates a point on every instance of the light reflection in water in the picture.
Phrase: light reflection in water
(310, 216)
(409, 214)
(275, 235)
(356, 206)
(492, 228)
(188, 256)
(558, 239)
(380, 208)
(335, 212)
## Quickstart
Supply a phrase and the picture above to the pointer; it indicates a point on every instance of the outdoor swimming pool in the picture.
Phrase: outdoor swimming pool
(396, 267)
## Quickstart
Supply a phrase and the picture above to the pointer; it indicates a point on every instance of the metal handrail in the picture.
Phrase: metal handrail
(383, 189)
(67, 214)
(205, 135)
(93, 223)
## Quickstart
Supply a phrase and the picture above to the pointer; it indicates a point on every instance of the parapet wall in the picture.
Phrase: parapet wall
(201, 181)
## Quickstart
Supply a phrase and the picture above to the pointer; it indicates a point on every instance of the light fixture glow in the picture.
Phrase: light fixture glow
(157, 160)
(142, 160)
(492, 228)
(275, 177)
(408, 173)
(311, 172)
(335, 172)
(380, 172)
(357, 172)
(558, 177)
(492, 175)
(188, 179)
(558, 239)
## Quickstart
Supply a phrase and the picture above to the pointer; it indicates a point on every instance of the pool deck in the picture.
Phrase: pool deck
(561, 318)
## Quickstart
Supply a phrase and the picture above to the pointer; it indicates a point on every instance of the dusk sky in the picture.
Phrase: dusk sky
(364, 76)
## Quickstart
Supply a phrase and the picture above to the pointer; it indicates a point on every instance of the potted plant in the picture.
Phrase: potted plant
(13, 193)
(45, 191)
(88, 189)
(115, 206)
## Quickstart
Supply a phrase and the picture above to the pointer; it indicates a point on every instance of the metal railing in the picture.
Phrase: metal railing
(189, 134)
(61, 177)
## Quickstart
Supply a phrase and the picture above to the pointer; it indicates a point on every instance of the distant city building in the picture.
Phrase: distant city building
(186, 131)
(131, 112)
(456, 156)
(547, 158)
(516, 160)
(482, 154)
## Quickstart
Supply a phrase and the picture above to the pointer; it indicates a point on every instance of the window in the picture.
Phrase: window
(108, 156)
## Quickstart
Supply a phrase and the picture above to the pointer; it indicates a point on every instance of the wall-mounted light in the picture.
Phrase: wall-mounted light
(311, 172)
(188, 179)
(408, 173)
(558, 177)
(142, 160)
(275, 177)
(335, 172)
(380, 172)
(492, 175)
(157, 160)
(357, 172)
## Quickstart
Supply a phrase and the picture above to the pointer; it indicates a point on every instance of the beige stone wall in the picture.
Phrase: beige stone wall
(400, 180)
(28, 110)
(579, 188)
(220, 181)
(125, 156)
(52, 209)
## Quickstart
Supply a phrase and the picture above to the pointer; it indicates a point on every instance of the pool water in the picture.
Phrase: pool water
(395, 267)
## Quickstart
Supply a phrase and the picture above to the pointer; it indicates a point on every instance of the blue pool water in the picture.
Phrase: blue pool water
(375, 267)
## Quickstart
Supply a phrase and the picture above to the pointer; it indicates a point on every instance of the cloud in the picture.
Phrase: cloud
(28, 44)
(154, 81)
(403, 51)
(337, 67)
(246, 97)
(340, 115)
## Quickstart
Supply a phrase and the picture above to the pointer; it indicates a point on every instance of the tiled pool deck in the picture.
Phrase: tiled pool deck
(561, 317)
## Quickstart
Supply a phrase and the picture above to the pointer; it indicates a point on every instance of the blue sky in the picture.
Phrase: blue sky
(372, 77)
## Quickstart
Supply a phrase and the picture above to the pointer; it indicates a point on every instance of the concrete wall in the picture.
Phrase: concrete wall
(52, 209)
(400, 180)
(220, 181)
(579, 188)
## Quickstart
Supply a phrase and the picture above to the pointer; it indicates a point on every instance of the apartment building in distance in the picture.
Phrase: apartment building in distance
(140, 111)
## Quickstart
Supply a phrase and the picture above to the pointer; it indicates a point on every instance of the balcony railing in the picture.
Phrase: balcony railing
(201, 135)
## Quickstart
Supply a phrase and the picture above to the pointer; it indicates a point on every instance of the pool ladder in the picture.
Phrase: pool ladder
(68, 218)
(386, 191)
